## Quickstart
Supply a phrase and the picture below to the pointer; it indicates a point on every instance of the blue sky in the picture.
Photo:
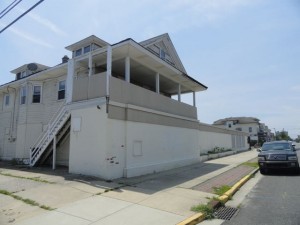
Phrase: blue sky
(246, 51)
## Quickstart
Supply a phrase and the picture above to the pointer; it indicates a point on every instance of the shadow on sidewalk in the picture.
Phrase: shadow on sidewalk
(147, 184)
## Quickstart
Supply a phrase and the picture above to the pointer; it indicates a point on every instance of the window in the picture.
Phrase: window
(162, 54)
(61, 89)
(23, 95)
(229, 125)
(78, 52)
(250, 129)
(36, 96)
(23, 74)
(6, 100)
(86, 49)
(239, 129)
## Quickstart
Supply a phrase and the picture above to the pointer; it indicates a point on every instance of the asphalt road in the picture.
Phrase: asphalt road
(275, 200)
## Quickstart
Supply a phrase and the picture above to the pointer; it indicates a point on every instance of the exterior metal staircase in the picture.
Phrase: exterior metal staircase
(57, 126)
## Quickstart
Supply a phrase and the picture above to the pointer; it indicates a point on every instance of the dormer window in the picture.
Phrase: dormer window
(86, 49)
(23, 74)
(83, 50)
(78, 52)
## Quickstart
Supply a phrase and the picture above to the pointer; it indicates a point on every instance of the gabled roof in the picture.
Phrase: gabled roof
(240, 120)
(87, 41)
(164, 42)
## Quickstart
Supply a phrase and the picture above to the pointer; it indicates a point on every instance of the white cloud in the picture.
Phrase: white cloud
(27, 36)
(53, 27)
(45, 22)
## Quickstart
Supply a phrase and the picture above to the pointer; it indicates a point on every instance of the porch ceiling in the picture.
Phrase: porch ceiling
(144, 66)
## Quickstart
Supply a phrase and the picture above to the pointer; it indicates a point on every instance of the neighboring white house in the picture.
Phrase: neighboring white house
(248, 125)
(108, 111)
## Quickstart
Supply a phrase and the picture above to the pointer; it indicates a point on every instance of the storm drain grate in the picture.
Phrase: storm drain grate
(225, 213)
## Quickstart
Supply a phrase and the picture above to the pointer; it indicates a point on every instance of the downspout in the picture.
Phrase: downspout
(108, 74)
(12, 123)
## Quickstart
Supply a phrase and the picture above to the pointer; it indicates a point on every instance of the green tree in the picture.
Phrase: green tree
(283, 135)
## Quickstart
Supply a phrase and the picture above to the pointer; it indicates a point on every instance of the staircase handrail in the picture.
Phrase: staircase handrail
(51, 124)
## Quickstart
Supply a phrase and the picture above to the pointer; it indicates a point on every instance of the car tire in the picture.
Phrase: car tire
(262, 171)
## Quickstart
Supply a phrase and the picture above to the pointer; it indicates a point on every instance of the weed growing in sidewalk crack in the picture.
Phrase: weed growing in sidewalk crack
(37, 179)
(25, 200)
(208, 211)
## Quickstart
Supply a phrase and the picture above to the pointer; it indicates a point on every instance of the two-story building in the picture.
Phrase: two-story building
(248, 125)
(108, 111)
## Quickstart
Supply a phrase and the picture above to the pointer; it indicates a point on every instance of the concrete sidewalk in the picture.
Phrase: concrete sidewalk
(162, 198)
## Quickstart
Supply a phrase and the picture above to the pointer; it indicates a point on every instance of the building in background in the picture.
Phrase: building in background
(250, 125)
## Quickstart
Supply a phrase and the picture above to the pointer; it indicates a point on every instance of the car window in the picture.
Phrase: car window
(276, 146)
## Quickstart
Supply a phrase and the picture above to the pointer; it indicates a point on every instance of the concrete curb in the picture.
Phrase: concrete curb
(228, 194)
(199, 217)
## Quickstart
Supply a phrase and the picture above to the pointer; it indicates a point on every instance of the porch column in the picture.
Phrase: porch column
(194, 99)
(157, 83)
(108, 68)
(127, 69)
(90, 64)
(54, 153)
(179, 92)
(69, 81)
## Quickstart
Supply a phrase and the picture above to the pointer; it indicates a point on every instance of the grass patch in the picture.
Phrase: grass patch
(46, 207)
(37, 179)
(221, 190)
(25, 200)
(205, 209)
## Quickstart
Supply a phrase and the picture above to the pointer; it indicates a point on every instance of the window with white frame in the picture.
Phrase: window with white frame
(61, 89)
(23, 74)
(23, 94)
(6, 100)
(78, 52)
(86, 49)
(36, 94)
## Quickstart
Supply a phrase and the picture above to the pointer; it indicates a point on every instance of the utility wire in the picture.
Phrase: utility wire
(8, 7)
(35, 5)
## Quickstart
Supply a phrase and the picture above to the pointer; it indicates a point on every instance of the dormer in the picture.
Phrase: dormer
(86, 45)
(28, 69)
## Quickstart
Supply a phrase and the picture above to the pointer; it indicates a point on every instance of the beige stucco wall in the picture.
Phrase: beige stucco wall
(110, 148)
(98, 149)
(210, 140)
(124, 92)
(152, 148)
(212, 136)
(86, 87)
